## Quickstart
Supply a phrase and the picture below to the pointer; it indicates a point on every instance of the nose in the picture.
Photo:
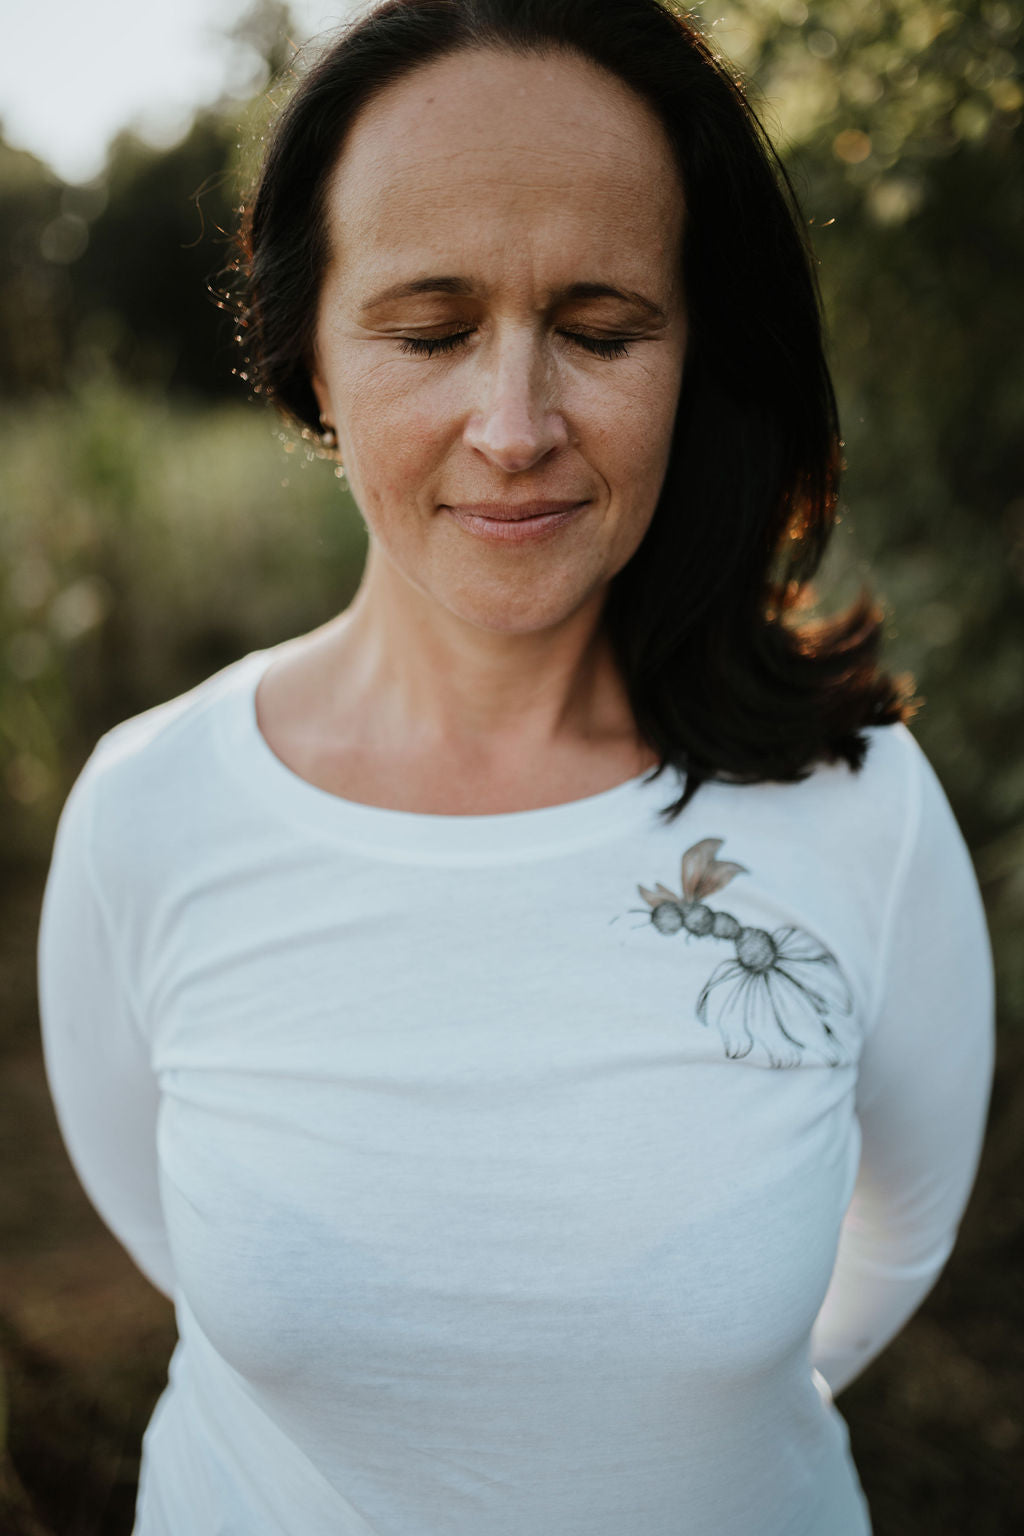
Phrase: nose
(514, 422)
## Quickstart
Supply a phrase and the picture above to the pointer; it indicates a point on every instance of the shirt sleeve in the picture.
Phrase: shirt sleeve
(97, 1061)
(922, 1095)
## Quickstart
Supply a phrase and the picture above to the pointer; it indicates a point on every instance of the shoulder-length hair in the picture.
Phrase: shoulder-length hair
(723, 681)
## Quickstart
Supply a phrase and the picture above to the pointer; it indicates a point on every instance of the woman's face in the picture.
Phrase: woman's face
(501, 331)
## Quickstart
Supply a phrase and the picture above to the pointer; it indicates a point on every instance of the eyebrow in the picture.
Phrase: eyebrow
(461, 287)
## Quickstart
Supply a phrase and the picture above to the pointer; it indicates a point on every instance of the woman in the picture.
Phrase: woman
(529, 1144)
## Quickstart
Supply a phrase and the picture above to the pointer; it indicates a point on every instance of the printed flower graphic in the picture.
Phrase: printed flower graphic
(779, 990)
(782, 990)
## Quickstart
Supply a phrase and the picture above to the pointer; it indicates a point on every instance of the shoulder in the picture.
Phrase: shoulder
(856, 815)
(888, 777)
(837, 844)
(171, 727)
(881, 812)
(888, 827)
(896, 793)
(150, 771)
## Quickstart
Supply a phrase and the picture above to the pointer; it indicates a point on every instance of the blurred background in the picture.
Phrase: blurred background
(156, 524)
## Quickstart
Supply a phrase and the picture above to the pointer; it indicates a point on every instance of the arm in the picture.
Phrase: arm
(97, 1062)
(922, 1094)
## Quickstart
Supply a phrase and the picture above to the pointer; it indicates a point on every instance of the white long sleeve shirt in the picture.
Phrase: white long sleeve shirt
(537, 1174)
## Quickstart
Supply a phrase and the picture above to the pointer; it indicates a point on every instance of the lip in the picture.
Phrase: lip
(513, 511)
(514, 522)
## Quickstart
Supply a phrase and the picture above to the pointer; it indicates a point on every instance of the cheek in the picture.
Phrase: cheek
(632, 451)
(391, 428)
(634, 429)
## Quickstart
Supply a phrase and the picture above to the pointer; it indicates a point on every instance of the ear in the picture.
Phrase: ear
(323, 397)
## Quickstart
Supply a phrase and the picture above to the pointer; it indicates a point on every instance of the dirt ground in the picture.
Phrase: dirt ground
(936, 1424)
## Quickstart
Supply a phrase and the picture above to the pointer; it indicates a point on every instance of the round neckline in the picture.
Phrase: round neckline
(415, 836)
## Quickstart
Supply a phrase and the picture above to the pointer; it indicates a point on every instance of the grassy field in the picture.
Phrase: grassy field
(141, 547)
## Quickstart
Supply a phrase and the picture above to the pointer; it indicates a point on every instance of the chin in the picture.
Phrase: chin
(517, 614)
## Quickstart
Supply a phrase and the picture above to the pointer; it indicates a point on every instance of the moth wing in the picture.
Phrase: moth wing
(666, 894)
(696, 861)
(717, 875)
(651, 898)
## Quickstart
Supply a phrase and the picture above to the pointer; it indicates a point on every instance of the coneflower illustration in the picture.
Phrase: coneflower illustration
(779, 989)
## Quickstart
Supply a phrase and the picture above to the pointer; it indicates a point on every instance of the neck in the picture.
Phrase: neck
(412, 678)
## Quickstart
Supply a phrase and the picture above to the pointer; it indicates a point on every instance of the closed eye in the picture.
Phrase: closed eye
(434, 346)
(431, 346)
(600, 346)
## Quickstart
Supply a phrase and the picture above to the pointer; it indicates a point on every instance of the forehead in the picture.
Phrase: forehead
(514, 155)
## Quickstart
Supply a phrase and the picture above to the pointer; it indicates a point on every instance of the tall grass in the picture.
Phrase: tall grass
(141, 547)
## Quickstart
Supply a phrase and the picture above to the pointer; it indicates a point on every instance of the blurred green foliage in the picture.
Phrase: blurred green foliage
(145, 543)
(153, 526)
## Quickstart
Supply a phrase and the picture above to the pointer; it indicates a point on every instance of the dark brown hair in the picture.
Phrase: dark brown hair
(723, 681)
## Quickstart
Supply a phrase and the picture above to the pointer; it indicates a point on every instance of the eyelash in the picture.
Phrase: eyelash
(433, 346)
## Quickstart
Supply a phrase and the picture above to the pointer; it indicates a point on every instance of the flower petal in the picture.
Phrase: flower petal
(806, 961)
(726, 1001)
(798, 1021)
